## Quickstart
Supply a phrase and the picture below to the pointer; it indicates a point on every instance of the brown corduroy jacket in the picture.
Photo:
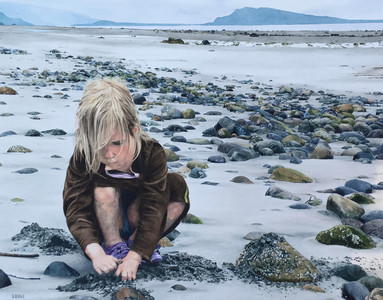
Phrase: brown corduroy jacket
(151, 185)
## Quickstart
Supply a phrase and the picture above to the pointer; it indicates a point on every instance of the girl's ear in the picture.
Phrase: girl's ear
(135, 130)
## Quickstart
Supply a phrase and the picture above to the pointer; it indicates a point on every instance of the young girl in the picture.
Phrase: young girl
(119, 199)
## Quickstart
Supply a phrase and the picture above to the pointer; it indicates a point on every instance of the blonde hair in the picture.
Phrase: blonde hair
(105, 106)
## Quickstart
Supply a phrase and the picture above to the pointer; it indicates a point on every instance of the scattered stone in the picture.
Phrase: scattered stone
(6, 90)
(198, 141)
(179, 287)
(139, 99)
(372, 282)
(26, 171)
(345, 236)
(241, 179)
(376, 294)
(4, 280)
(188, 114)
(7, 133)
(60, 269)
(374, 227)
(194, 163)
(322, 151)
(173, 41)
(290, 175)
(253, 236)
(218, 159)
(344, 190)
(349, 272)
(171, 155)
(314, 201)
(280, 193)
(191, 219)
(300, 206)
(344, 207)
(19, 149)
(55, 132)
(313, 288)
(33, 132)
(197, 173)
(128, 293)
(359, 185)
(354, 291)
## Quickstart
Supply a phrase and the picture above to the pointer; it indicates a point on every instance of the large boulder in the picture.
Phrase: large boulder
(354, 291)
(345, 236)
(290, 175)
(359, 185)
(272, 257)
(372, 282)
(344, 207)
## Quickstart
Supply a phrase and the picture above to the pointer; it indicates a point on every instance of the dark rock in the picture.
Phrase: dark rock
(354, 291)
(373, 215)
(178, 138)
(210, 132)
(4, 280)
(344, 136)
(371, 282)
(210, 183)
(175, 128)
(26, 171)
(6, 133)
(359, 185)
(179, 287)
(169, 112)
(173, 235)
(79, 297)
(213, 113)
(60, 269)
(349, 272)
(363, 155)
(352, 222)
(33, 132)
(217, 159)
(299, 206)
(197, 173)
(205, 42)
(227, 123)
(138, 99)
(344, 190)
(279, 193)
(374, 227)
(295, 160)
(55, 132)
(277, 147)
(376, 134)
(241, 179)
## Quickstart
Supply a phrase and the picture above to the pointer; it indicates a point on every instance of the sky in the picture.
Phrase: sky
(201, 11)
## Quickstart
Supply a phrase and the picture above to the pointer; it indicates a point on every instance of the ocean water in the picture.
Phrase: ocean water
(315, 27)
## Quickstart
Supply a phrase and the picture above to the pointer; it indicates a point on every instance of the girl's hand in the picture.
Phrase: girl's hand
(128, 268)
(102, 263)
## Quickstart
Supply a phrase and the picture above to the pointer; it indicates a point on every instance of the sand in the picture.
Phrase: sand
(227, 210)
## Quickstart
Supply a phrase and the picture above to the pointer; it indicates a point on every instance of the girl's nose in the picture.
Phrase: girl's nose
(109, 152)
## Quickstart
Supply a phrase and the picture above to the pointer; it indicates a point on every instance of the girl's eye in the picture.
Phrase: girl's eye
(116, 143)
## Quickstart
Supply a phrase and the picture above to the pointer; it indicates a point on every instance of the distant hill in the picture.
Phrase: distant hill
(5, 20)
(270, 16)
(38, 15)
(111, 23)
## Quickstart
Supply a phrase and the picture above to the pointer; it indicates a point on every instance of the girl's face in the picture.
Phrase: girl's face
(118, 154)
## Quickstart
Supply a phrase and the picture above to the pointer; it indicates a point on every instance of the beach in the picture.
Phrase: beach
(48, 67)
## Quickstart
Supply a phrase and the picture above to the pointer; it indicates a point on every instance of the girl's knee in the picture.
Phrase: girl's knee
(106, 194)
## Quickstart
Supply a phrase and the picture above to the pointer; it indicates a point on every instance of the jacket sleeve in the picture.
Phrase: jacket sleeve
(154, 200)
(78, 204)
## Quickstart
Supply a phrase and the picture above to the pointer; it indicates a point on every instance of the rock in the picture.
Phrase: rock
(19, 149)
(139, 99)
(4, 280)
(218, 159)
(33, 132)
(359, 185)
(345, 236)
(79, 297)
(375, 134)
(128, 293)
(322, 151)
(322, 135)
(292, 137)
(224, 133)
(169, 112)
(171, 155)
(344, 207)
(173, 235)
(179, 287)
(295, 160)
(374, 227)
(266, 152)
(314, 201)
(275, 259)
(352, 222)
(55, 131)
(343, 190)
(372, 215)
(354, 291)
(376, 294)
(300, 206)
(26, 171)
(173, 41)
(361, 198)
(362, 127)
(195, 163)
(360, 156)
(198, 141)
(253, 236)
(279, 193)
(351, 151)
(188, 114)
(344, 136)
(191, 219)
(175, 128)
(346, 107)
(178, 138)
(210, 132)
(165, 242)
(290, 175)
(7, 133)
(197, 173)
(242, 154)
(241, 179)
(6, 90)
(349, 272)
(372, 282)
(60, 269)
(313, 288)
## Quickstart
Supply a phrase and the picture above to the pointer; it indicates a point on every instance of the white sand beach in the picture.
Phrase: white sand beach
(229, 210)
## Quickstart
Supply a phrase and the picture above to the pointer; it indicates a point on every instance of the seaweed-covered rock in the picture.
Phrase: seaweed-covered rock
(361, 198)
(290, 175)
(275, 259)
(191, 219)
(345, 236)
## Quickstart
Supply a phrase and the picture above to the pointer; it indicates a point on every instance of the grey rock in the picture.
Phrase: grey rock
(373, 215)
(295, 160)
(349, 272)
(374, 227)
(354, 291)
(266, 152)
(375, 134)
(4, 279)
(210, 132)
(218, 159)
(178, 138)
(33, 132)
(169, 112)
(139, 99)
(280, 193)
(7, 133)
(359, 185)
(26, 171)
(344, 207)
(300, 206)
(179, 287)
(360, 156)
(344, 190)
(372, 282)
(55, 131)
(80, 297)
(197, 173)
(352, 222)
(60, 269)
